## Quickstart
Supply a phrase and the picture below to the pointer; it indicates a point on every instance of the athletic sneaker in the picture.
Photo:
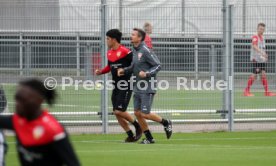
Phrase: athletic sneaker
(130, 139)
(138, 134)
(147, 141)
(168, 129)
(270, 94)
(247, 94)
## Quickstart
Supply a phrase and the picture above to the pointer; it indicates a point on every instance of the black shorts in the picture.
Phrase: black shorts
(258, 67)
(120, 99)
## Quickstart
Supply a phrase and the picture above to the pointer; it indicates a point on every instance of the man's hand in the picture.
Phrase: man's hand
(265, 56)
(98, 72)
(120, 72)
(142, 74)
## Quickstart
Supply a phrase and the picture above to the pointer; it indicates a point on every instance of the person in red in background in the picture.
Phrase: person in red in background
(148, 30)
(41, 140)
(120, 57)
(259, 59)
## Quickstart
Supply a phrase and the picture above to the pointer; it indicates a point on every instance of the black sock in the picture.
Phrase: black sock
(136, 124)
(148, 135)
(164, 122)
(130, 133)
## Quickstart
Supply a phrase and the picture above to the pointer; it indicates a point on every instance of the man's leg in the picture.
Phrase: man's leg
(126, 117)
(250, 82)
(137, 99)
(117, 105)
(265, 84)
(251, 79)
(141, 120)
(146, 103)
(152, 116)
(165, 122)
(123, 99)
(122, 122)
(125, 126)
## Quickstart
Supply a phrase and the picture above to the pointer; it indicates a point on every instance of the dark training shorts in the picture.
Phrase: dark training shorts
(120, 99)
(258, 67)
(143, 102)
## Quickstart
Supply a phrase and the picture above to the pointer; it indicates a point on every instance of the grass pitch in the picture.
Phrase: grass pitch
(191, 149)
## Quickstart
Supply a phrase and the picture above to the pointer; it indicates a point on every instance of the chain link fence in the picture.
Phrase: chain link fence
(65, 41)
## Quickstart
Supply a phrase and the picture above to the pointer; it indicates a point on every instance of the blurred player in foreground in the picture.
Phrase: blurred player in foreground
(259, 58)
(3, 144)
(119, 57)
(41, 140)
(145, 66)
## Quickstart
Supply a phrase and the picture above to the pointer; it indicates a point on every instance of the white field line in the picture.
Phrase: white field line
(157, 110)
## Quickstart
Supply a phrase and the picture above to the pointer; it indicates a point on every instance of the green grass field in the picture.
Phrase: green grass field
(192, 149)
(71, 100)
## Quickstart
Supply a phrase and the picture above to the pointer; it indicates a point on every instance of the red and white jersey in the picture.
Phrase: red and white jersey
(41, 141)
(43, 130)
(260, 42)
(120, 58)
(148, 41)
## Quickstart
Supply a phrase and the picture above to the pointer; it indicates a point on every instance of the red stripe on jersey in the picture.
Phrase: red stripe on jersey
(121, 52)
(255, 39)
(43, 130)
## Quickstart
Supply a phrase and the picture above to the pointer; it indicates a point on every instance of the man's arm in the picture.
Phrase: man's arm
(154, 61)
(129, 69)
(105, 70)
(129, 57)
(65, 151)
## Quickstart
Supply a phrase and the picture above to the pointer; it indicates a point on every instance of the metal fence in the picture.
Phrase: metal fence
(217, 52)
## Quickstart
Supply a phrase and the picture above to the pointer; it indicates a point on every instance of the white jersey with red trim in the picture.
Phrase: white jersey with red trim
(260, 42)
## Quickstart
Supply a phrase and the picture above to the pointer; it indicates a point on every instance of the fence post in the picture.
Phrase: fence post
(244, 16)
(28, 58)
(104, 92)
(183, 16)
(88, 64)
(213, 59)
(196, 58)
(225, 54)
(78, 54)
(231, 71)
(274, 62)
(121, 15)
(21, 54)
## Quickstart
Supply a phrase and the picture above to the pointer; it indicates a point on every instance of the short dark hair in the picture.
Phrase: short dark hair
(141, 33)
(45, 91)
(261, 24)
(115, 34)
